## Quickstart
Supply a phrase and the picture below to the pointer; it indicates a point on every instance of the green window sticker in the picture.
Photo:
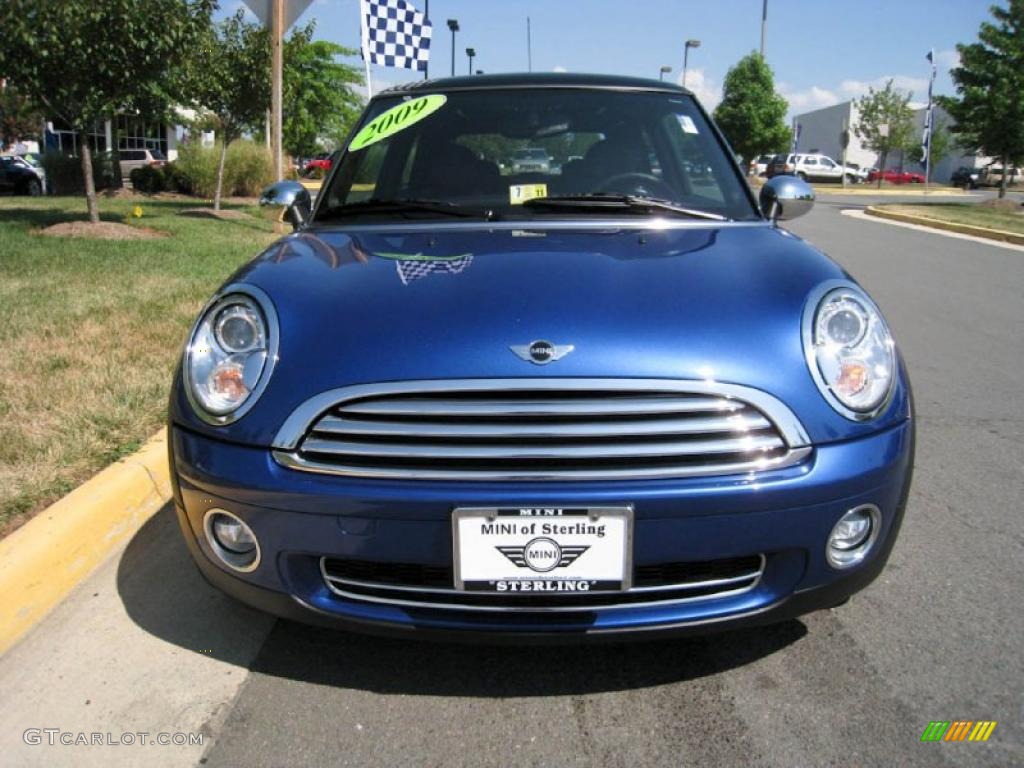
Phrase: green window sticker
(397, 119)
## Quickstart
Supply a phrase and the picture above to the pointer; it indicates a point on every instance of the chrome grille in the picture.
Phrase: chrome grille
(541, 429)
(422, 586)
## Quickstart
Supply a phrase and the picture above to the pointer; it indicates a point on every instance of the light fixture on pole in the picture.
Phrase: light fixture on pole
(453, 25)
(470, 52)
(686, 56)
(664, 71)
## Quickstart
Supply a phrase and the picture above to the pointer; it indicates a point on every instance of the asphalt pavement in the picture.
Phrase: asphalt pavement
(146, 645)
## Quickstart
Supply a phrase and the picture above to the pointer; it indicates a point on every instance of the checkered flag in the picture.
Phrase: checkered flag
(414, 269)
(395, 34)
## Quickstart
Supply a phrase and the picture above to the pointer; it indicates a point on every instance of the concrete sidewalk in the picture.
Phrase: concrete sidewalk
(143, 646)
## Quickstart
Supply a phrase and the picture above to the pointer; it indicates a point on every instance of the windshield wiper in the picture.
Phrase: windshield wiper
(407, 205)
(619, 202)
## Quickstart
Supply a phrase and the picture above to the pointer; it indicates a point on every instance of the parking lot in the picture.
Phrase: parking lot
(146, 646)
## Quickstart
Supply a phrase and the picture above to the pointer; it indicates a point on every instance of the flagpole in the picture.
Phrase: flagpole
(364, 46)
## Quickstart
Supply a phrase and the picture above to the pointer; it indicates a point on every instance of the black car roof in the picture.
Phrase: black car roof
(535, 80)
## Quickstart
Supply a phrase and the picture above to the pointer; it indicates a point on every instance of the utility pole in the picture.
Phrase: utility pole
(764, 24)
(453, 25)
(276, 34)
(529, 47)
(664, 71)
(470, 52)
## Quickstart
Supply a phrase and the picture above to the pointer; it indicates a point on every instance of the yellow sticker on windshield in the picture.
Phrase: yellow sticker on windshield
(397, 119)
(520, 193)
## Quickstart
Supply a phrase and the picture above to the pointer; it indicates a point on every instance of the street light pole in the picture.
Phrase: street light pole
(764, 24)
(453, 25)
(470, 52)
(664, 71)
(686, 56)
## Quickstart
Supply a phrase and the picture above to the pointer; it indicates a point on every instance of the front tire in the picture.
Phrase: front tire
(851, 179)
(34, 188)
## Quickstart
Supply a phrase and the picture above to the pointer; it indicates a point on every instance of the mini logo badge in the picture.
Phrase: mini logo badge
(543, 554)
(542, 352)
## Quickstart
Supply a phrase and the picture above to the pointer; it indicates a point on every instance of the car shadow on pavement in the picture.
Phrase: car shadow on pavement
(164, 594)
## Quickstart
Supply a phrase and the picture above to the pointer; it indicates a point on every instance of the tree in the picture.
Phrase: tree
(751, 114)
(86, 60)
(228, 79)
(318, 102)
(989, 106)
(19, 119)
(885, 123)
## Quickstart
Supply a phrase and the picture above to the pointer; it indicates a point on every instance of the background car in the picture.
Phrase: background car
(965, 177)
(130, 159)
(18, 177)
(531, 159)
(780, 165)
(992, 176)
(817, 167)
(896, 177)
(318, 164)
(760, 165)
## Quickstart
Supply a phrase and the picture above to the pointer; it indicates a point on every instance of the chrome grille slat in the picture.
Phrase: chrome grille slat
(423, 407)
(616, 450)
(447, 598)
(740, 422)
(541, 429)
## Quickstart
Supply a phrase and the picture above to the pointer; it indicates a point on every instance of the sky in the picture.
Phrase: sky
(821, 51)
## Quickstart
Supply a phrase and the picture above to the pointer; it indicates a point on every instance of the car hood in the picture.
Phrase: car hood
(708, 302)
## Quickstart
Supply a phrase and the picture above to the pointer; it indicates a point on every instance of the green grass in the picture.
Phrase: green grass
(967, 213)
(91, 331)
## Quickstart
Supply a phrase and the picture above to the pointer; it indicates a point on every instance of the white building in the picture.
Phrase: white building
(131, 132)
(821, 131)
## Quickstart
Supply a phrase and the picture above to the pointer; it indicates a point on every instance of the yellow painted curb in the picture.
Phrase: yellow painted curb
(908, 190)
(41, 562)
(964, 229)
(312, 185)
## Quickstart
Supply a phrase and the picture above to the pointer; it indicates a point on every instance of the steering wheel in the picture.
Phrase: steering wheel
(634, 183)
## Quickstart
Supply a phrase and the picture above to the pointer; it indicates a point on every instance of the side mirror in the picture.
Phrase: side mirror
(786, 197)
(288, 200)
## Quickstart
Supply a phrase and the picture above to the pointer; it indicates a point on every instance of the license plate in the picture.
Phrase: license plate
(529, 550)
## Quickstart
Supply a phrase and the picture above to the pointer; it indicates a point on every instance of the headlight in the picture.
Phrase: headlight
(230, 354)
(849, 350)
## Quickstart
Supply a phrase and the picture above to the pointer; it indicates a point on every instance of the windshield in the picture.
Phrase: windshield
(503, 153)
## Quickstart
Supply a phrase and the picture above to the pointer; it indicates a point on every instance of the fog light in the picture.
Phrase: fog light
(853, 536)
(231, 540)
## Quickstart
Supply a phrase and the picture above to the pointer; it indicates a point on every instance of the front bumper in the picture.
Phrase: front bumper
(785, 515)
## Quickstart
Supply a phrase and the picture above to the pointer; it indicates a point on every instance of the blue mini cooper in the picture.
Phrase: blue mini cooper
(603, 397)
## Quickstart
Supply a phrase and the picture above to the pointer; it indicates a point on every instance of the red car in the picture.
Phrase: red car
(897, 177)
(319, 163)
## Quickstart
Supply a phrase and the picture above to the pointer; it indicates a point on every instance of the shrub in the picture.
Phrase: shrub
(147, 179)
(64, 173)
(199, 165)
(247, 168)
(176, 180)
